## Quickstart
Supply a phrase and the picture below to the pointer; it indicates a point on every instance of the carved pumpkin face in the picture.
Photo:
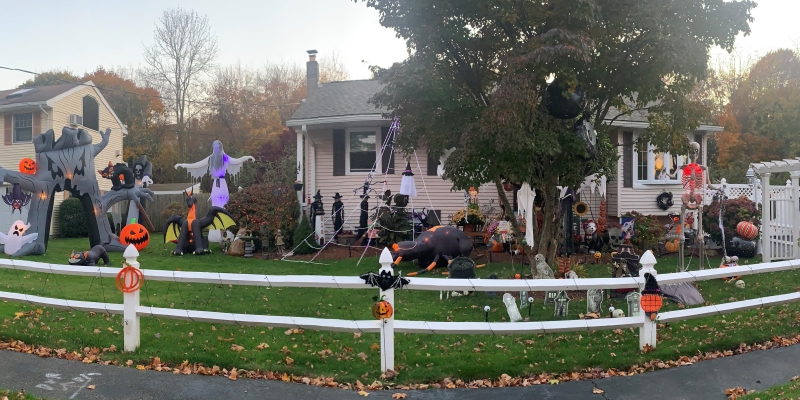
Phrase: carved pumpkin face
(382, 310)
(27, 166)
(135, 234)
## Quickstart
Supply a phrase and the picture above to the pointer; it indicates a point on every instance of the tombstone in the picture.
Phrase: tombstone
(633, 299)
(523, 299)
(550, 297)
(511, 307)
(594, 300)
(562, 304)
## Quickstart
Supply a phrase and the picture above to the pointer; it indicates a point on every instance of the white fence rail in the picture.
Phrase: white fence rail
(132, 310)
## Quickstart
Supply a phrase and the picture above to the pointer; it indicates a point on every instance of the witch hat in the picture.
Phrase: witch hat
(317, 196)
(337, 196)
(407, 185)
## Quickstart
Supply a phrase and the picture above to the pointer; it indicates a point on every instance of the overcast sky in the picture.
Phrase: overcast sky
(80, 35)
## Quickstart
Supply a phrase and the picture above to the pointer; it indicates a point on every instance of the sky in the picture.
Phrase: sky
(80, 35)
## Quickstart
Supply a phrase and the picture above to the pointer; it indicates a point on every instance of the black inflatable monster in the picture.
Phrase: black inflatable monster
(434, 247)
(188, 231)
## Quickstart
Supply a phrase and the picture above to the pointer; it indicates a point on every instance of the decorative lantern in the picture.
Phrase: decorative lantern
(382, 309)
(651, 299)
(27, 166)
(135, 234)
(129, 279)
(747, 230)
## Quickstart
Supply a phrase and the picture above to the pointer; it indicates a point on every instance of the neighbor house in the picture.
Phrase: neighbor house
(28, 112)
(340, 135)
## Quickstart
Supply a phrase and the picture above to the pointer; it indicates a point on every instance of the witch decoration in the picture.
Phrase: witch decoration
(407, 186)
(16, 198)
(338, 214)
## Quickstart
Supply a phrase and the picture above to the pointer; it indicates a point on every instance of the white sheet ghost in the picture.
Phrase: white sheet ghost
(15, 239)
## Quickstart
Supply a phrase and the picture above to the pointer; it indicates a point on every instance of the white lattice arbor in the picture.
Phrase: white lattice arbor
(780, 213)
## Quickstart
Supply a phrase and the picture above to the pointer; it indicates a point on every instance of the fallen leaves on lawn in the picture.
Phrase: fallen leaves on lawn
(262, 346)
(294, 331)
(398, 396)
(236, 347)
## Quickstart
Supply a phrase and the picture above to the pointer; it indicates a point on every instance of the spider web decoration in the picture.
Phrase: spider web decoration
(384, 280)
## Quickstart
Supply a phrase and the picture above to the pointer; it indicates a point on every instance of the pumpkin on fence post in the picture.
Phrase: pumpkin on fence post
(382, 309)
(651, 299)
(129, 279)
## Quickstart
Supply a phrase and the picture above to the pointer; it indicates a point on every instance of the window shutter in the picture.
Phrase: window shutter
(7, 133)
(387, 161)
(338, 152)
(698, 137)
(37, 124)
(627, 159)
(433, 165)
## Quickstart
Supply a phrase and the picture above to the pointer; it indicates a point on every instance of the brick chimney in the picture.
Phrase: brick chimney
(312, 73)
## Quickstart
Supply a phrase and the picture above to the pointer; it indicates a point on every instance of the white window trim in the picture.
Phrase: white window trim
(378, 163)
(651, 178)
(13, 128)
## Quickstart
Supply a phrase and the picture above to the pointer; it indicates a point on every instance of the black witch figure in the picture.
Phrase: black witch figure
(568, 246)
(317, 208)
(338, 214)
(363, 220)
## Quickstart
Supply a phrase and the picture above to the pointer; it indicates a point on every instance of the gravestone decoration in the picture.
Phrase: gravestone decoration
(594, 301)
(562, 304)
(523, 299)
(633, 299)
(67, 164)
(550, 297)
(511, 307)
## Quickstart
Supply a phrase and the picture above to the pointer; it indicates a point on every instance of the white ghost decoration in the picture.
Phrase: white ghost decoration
(15, 239)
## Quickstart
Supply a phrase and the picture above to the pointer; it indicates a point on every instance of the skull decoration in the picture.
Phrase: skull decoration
(615, 238)
(694, 151)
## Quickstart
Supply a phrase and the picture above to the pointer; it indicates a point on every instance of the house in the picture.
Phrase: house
(28, 112)
(340, 135)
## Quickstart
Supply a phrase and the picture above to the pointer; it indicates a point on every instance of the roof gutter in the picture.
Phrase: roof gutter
(23, 105)
(336, 119)
(645, 125)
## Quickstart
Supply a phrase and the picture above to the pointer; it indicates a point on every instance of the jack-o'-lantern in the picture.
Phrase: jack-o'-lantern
(598, 255)
(672, 246)
(27, 166)
(382, 309)
(135, 234)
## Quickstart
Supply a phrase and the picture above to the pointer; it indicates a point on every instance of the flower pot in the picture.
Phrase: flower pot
(469, 228)
(298, 187)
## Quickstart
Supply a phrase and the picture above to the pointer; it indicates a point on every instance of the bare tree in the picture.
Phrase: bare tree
(332, 69)
(183, 51)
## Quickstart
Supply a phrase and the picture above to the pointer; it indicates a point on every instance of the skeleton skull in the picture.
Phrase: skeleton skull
(694, 151)
(137, 171)
(615, 238)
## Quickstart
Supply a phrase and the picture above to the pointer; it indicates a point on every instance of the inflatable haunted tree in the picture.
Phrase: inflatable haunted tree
(67, 164)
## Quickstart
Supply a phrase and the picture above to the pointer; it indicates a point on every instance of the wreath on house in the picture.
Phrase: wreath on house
(664, 201)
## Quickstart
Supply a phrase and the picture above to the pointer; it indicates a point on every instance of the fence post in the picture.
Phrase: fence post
(387, 325)
(130, 320)
(766, 218)
(647, 332)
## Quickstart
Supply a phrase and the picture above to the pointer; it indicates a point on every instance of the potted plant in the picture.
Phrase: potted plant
(469, 217)
(298, 186)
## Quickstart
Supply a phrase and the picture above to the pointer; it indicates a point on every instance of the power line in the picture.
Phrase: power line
(153, 96)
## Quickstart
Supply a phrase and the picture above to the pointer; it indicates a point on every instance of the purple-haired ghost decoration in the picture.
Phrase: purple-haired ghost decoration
(16, 198)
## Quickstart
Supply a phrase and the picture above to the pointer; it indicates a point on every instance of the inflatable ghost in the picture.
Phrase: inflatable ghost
(15, 238)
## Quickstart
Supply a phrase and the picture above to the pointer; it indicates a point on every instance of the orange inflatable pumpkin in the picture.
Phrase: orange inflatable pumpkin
(27, 166)
(129, 279)
(135, 234)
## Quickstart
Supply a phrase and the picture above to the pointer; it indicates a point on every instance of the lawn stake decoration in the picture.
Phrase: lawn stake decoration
(384, 280)
(188, 231)
(89, 258)
(594, 301)
(16, 237)
(651, 299)
(562, 304)
(135, 234)
(550, 297)
(633, 299)
(16, 198)
(511, 307)
(27, 166)
(382, 309)
(435, 247)
(66, 163)
(129, 279)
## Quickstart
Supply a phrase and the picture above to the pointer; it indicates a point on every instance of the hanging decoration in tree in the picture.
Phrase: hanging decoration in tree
(651, 299)
(16, 198)
(407, 186)
(129, 279)
(384, 280)
(27, 166)
(382, 309)
(585, 130)
(188, 231)
(664, 200)
(563, 101)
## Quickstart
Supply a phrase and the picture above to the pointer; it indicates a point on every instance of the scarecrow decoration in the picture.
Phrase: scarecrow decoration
(651, 299)
(188, 231)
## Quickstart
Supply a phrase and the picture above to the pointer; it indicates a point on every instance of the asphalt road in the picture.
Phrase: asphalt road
(60, 379)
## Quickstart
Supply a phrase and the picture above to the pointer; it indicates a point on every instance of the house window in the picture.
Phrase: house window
(362, 151)
(23, 127)
(91, 113)
(657, 167)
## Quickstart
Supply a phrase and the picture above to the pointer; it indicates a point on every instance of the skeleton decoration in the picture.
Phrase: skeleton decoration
(694, 180)
(614, 238)
(67, 164)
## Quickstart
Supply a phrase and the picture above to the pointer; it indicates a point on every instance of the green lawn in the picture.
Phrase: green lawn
(11, 395)
(789, 391)
(347, 357)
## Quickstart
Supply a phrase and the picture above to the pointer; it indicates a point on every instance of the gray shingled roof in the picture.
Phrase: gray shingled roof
(35, 95)
(337, 99)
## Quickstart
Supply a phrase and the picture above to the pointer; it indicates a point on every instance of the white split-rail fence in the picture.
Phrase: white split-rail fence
(132, 310)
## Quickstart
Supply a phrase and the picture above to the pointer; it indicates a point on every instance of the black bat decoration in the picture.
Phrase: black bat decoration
(385, 280)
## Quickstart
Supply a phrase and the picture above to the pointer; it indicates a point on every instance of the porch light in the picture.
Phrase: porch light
(750, 176)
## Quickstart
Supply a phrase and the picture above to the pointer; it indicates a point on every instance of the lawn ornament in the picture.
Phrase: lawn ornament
(382, 309)
(318, 217)
(651, 300)
(743, 248)
(564, 266)
(129, 279)
(279, 244)
(27, 166)
(561, 304)
(747, 230)
(66, 163)
(597, 256)
(614, 238)
(407, 186)
(740, 284)
(694, 180)
(135, 234)
(16, 238)
(434, 247)
(142, 171)
(682, 293)
(563, 101)
(188, 231)
(590, 236)
(726, 262)
(601, 222)
(338, 214)
(628, 228)
(543, 271)
(16, 198)
(580, 208)
(511, 308)
(89, 258)
(121, 176)
(664, 201)
(618, 313)
(633, 299)
(594, 301)
(671, 246)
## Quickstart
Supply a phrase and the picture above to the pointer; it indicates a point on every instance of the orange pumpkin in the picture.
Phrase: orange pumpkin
(129, 279)
(651, 303)
(27, 166)
(135, 234)
(672, 246)
(747, 230)
(598, 255)
(382, 309)
(736, 278)
(497, 247)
